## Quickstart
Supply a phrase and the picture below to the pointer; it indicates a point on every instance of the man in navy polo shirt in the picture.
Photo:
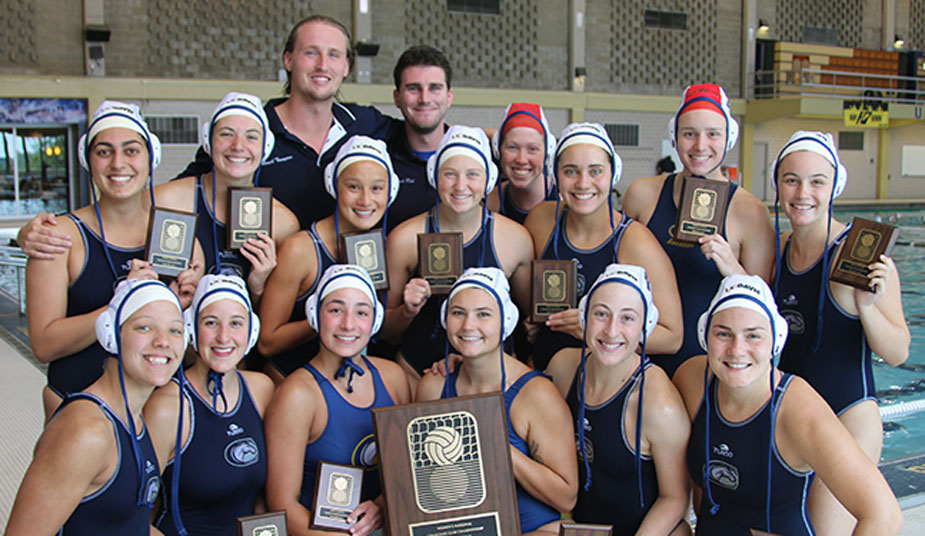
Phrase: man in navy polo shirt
(310, 125)
(423, 94)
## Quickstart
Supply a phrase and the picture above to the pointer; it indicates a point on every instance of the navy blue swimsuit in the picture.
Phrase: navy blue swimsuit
(425, 339)
(614, 495)
(223, 468)
(698, 277)
(533, 513)
(232, 261)
(841, 370)
(348, 437)
(739, 473)
(294, 358)
(92, 289)
(508, 208)
(112, 509)
(591, 263)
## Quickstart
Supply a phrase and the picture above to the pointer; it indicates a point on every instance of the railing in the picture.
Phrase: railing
(13, 256)
(837, 85)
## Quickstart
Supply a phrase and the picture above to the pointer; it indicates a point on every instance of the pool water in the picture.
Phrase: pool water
(903, 436)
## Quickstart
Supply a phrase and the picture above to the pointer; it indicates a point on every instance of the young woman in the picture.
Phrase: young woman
(631, 421)
(703, 132)
(478, 315)
(94, 470)
(239, 140)
(223, 466)
(833, 327)
(463, 174)
(363, 183)
(759, 434)
(588, 230)
(524, 147)
(66, 293)
(322, 411)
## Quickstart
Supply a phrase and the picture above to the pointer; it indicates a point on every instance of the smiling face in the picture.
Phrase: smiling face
(804, 182)
(461, 183)
(152, 343)
(119, 162)
(522, 156)
(318, 62)
(739, 346)
(701, 141)
(584, 177)
(423, 97)
(615, 323)
(362, 194)
(345, 322)
(223, 328)
(473, 323)
(237, 146)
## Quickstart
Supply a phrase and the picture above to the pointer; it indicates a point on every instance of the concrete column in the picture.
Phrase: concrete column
(747, 156)
(363, 31)
(576, 53)
(888, 24)
(883, 163)
(749, 28)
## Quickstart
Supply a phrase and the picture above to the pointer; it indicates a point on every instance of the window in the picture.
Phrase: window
(668, 20)
(850, 141)
(175, 129)
(33, 170)
(485, 7)
(623, 134)
(820, 36)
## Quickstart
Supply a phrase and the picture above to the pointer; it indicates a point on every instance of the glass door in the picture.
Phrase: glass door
(34, 170)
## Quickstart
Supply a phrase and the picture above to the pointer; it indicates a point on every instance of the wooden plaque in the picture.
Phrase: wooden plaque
(440, 260)
(866, 241)
(553, 288)
(581, 529)
(446, 468)
(250, 211)
(366, 250)
(272, 524)
(169, 246)
(702, 210)
(337, 493)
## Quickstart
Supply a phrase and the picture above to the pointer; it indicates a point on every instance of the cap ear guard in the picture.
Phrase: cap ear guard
(473, 139)
(750, 292)
(338, 273)
(367, 149)
(828, 150)
(632, 276)
(493, 281)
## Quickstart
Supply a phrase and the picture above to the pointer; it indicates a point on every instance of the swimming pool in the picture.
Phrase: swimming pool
(903, 435)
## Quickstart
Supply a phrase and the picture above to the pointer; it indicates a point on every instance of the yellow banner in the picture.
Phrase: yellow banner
(866, 114)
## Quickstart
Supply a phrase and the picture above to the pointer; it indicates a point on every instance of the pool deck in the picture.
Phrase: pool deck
(21, 416)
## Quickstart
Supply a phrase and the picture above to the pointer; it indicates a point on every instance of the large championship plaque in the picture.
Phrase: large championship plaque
(366, 250)
(169, 246)
(866, 241)
(553, 288)
(272, 524)
(581, 529)
(250, 211)
(337, 493)
(702, 210)
(440, 260)
(446, 469)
